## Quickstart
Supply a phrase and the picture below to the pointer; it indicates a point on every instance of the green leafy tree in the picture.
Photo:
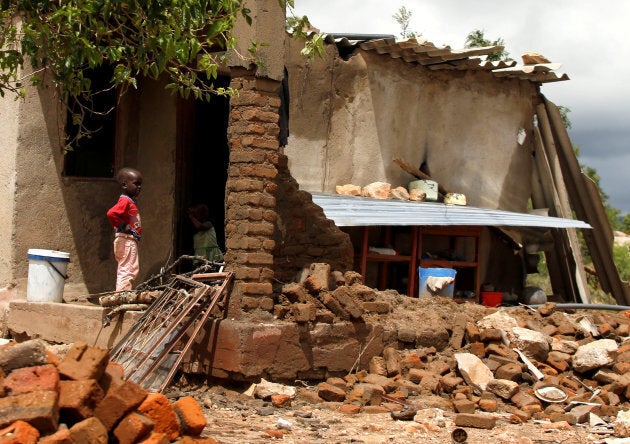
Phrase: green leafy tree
(477, 38)
(300, 27)
(403, 17)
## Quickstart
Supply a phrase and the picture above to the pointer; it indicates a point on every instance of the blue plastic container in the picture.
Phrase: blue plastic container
(426, 273)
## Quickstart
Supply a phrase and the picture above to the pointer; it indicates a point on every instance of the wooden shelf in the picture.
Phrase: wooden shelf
(417, 238)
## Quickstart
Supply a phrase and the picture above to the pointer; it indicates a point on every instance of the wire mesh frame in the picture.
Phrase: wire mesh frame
(154, 337)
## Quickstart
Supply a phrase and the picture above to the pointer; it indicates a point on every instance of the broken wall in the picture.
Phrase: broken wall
(349, 118)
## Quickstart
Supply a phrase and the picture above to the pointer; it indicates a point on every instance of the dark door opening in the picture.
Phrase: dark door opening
(203, 160)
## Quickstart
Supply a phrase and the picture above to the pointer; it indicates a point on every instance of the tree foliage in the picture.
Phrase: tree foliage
(403, 17)
(184, 40)
(476, 39)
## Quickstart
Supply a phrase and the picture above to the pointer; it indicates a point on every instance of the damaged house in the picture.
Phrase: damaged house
(267, 162)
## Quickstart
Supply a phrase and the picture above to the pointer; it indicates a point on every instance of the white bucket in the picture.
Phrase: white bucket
(46, 275)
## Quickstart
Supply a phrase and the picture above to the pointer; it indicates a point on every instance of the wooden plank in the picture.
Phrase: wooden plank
(580, 287)
(590, 208)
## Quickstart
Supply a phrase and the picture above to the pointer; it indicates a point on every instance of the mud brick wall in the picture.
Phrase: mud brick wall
(272, 229)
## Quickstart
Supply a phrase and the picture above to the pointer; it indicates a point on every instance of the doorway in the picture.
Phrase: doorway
(202, 164)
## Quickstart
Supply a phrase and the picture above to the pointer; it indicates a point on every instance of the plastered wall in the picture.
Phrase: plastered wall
(348, 119)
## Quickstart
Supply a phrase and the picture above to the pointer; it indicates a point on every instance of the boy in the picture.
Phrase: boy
(125, 219)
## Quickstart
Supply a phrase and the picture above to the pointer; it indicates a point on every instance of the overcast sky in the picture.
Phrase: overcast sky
(589, 38)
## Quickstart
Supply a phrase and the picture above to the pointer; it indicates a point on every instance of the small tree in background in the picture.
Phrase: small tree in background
(477, 39)
(402, 17)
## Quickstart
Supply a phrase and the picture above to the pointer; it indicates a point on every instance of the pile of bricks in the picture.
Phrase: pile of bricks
(328, 296)
(480, 375)
(83, 398)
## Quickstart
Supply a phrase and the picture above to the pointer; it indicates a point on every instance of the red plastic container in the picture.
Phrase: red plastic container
(491, 298)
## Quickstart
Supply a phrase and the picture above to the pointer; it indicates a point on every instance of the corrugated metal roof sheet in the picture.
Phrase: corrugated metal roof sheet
(427, 54)
(349, 211)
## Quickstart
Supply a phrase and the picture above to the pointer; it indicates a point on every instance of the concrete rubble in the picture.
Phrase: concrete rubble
(84, 398)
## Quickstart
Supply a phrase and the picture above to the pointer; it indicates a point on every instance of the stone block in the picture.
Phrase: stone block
(479, 421)
(19, 432)
(84, 362)
(473, 370)
(133, 428)
(509, 371)
(24, 354)
(595, 354)
(40, 409)
(157, 407)
(534, 344)
(31, 379)
(90, 430)
(118, 402)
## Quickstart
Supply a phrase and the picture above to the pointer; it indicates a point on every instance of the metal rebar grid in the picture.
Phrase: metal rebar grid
(151, 351)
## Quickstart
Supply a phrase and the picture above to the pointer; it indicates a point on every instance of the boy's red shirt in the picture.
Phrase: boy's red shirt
(125, 212)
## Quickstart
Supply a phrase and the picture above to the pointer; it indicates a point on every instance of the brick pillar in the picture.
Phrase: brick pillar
(251, 192)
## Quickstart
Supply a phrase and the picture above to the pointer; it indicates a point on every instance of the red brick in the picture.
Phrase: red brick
(330, 392)
(113, 375)
(464, 406)
(77, 399)
(84, 362)
(191, 415)
(488, 405)
(509, 371)
(157, 408)
(61, 436)
(31, 379)
(472, 333)
(89, 430)
(155, 438)
(475, 420)
(349, 409)
(478, 349)
(40, 409)
(133, 428)
(20, 432)
(281, 401)
(204, 439)
(370, 409)
(304, 312)
(118, 402)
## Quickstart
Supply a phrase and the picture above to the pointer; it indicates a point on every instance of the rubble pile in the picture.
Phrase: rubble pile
(83, 398)
(325, 296)
(480, 363)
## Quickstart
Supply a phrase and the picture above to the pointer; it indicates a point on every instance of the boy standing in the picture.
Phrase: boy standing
(125, 219)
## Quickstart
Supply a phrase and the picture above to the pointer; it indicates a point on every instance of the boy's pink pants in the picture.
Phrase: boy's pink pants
(126, 253)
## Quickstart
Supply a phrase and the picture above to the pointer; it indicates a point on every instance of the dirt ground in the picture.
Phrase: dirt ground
(236, 418)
